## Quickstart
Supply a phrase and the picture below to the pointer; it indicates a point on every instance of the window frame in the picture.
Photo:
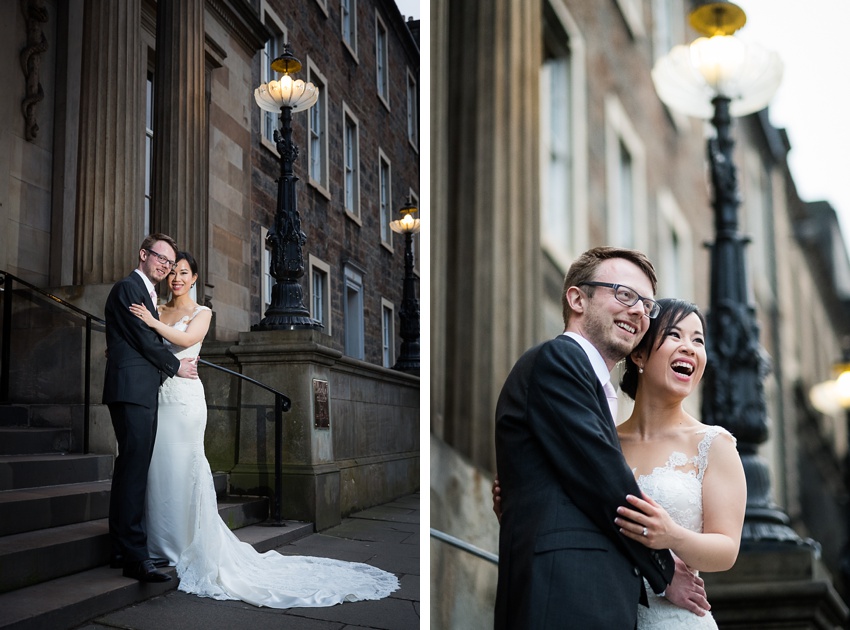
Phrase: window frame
(281, 36)
(385, 208)
(388, 334)
(382, 54)
(620, 134)
(348, 36)
(319, 268)
(412, 110)
(320, 110)
(354, 211)
(354, 329)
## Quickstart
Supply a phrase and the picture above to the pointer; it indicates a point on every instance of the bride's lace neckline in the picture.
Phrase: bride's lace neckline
(678, 460)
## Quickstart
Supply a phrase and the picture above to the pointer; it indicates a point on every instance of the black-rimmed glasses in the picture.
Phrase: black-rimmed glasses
(630, 297)
(162, 259)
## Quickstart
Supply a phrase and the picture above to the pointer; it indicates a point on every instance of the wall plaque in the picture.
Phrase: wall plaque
(321, 404)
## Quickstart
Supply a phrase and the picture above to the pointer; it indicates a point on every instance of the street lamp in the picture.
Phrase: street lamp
(718, 76)
(287, 96)
(408, 358)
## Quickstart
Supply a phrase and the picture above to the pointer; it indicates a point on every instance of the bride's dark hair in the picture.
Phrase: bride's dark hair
(672, 312)
(193, 265)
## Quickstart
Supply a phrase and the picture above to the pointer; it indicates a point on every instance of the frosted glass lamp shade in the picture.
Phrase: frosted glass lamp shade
(285, 92)
(688, 78)
(407, 224)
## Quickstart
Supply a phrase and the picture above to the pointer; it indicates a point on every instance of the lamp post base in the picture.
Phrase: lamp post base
(287, 310)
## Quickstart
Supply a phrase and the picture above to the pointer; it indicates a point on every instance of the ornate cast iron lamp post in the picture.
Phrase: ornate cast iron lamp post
(286, 240)
(718, 77)
(408, 358)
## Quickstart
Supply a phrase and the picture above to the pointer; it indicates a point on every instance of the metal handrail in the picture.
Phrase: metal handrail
(465, 546)
(282, 401)
(5, 356)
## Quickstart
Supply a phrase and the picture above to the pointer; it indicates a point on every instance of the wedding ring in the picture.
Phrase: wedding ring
(644, 531)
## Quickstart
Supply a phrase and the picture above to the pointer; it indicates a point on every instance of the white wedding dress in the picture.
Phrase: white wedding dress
(677, 487)
(183, 525)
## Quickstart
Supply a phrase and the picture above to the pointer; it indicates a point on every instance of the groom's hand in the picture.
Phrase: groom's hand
(687, 590)
(188, 368)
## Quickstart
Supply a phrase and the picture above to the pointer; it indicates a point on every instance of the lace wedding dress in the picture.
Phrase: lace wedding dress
(183, 525)
(677, 486)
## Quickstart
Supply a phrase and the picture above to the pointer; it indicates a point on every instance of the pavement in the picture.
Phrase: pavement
(385, 536)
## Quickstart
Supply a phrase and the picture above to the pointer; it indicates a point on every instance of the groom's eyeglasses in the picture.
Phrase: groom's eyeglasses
(630, 297)
(162, 259)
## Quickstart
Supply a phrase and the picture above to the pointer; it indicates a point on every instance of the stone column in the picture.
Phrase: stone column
(110, 197)
(180, 191)
(491, 185)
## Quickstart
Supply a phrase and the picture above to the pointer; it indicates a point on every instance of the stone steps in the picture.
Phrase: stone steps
(68, 601)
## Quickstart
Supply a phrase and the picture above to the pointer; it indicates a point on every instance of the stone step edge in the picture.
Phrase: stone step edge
(72, 600)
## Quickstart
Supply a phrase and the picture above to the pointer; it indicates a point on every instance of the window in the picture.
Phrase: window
(320, 292)
(318, 137)
(675, 271)
(148, 150)
(412, 110)
(382, 68)
(668, 30)
(385, 198)
(353, 313)
(563, 139)
(271, 51)
(625, 208)
(626, 174)
(348, 10)
(267, 279)
(351, 162)
(388, 332)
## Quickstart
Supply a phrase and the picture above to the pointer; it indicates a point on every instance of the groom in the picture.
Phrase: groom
(137, 363)
(562, 561)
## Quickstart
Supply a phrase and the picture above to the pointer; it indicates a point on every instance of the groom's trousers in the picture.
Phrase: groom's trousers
(135, 431)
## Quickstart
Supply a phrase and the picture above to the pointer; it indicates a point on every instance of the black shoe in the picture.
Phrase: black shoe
(145, 572)
(117, 562)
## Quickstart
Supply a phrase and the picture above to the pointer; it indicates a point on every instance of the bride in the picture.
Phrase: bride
(183, 525)
(691, 476)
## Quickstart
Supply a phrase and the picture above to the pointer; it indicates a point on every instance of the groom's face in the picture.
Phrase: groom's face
(612, 327)
(155, 263)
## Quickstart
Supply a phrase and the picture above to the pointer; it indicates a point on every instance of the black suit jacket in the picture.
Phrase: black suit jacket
(562, 561)
(137, 361)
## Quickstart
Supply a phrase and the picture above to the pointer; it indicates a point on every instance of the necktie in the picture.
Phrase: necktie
(611, 394)
(153, 297)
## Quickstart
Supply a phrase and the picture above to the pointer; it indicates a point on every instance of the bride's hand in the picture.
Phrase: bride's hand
(142, 313)
(648, 523)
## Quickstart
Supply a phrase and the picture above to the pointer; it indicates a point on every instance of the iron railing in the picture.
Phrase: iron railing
(465, 546)
(282, 402)
(5, 354)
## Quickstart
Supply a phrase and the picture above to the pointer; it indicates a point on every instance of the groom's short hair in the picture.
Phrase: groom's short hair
(585, 266)
(152, 239)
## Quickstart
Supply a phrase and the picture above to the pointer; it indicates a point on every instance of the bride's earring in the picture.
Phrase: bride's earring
(640, 369)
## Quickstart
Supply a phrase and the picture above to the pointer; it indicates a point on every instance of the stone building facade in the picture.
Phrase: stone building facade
(125, 118)
(549, 138)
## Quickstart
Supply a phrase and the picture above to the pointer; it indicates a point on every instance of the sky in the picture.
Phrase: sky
(409, 8)
(812, 101)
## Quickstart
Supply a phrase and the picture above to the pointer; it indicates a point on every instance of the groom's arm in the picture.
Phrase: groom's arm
(574, 434)
(133, 331)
